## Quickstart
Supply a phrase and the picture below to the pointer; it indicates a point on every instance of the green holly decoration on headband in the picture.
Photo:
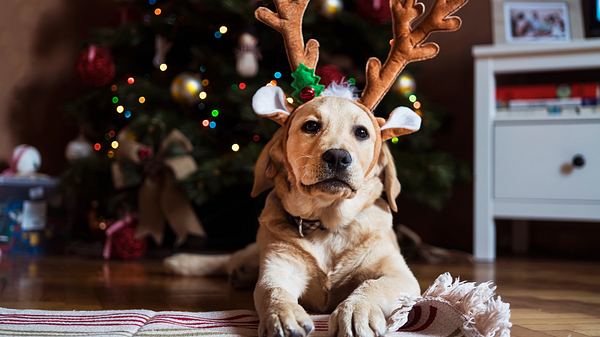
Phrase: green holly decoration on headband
(306, 84)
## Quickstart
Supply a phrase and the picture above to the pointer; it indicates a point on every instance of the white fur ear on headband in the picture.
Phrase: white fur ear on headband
(402, 121)
(269, 102)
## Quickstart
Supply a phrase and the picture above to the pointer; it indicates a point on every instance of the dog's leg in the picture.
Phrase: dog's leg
(364, 312)
(242, 267)
(196, 265)
(282, 280)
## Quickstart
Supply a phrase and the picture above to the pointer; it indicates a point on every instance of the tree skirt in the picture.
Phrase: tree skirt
(449, 308)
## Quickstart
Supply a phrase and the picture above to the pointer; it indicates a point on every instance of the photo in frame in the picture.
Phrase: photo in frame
(521, 21)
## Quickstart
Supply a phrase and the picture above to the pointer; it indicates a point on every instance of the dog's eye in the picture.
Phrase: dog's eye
(311, 127)
(361, 133)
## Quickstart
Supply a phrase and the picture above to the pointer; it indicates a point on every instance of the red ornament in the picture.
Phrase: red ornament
(377, 11)
(144, 152)
(330, 73)
(96, 66)
(307, 94)
(125, 246)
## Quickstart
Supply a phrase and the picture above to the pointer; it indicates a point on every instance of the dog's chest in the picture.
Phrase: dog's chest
(334, 277)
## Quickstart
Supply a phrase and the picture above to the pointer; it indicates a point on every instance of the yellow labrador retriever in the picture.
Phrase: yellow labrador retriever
(325, 242)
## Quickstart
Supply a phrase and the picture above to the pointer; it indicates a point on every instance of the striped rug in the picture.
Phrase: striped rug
(422, 321)
(449, 308)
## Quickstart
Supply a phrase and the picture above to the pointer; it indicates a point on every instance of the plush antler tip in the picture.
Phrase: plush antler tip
(454, 23)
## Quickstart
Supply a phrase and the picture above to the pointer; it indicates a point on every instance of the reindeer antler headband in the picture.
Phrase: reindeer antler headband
(408, 45)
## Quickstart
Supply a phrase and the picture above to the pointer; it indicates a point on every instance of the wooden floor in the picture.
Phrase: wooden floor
(547, 298)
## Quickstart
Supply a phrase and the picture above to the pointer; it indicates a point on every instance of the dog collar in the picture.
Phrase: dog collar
(305, 226)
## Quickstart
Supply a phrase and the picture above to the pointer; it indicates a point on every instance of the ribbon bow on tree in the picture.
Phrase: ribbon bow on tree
(160, 200)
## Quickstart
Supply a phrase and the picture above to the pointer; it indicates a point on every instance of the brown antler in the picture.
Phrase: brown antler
(408, 44)
(288, 22)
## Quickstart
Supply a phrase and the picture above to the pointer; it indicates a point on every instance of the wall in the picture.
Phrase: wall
(39, 41)
(447, 82)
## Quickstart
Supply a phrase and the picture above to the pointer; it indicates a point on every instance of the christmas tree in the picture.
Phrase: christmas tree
(166, 118)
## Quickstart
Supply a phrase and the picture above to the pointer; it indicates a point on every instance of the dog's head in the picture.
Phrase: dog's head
(328, 146)
(331, 143)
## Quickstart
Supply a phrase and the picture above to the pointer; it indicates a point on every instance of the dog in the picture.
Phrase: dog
(323, 166)
(325, 242)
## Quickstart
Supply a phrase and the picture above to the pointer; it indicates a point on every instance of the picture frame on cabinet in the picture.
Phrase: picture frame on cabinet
(534, 22)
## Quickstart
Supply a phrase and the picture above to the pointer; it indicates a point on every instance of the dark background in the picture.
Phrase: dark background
(39, 41)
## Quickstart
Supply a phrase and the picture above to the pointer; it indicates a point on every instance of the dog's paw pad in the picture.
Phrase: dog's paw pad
(287, 321)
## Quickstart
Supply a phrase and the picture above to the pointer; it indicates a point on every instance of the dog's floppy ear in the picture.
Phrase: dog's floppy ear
(266, 165)
(402, 121)
(269, 102)
(388, 176)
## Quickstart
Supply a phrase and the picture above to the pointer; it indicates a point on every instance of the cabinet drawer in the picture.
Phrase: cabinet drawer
(534, 160)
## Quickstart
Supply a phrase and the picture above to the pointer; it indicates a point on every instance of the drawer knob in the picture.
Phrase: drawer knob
(578, 161)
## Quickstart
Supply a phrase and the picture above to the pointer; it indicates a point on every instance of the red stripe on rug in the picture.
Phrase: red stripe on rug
(430, 319)
(69, 324)
(414, 316)
(205, 318)
(200, 320)
(74, 322)
(76, 317)
(209, 326)
(169, 321)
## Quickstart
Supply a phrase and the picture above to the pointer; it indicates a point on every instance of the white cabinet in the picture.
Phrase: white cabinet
(532, 166)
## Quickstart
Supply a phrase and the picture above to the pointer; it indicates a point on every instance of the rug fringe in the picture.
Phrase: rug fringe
(486, 316)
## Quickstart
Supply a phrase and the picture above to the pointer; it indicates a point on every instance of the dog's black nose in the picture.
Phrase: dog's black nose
(337, 159)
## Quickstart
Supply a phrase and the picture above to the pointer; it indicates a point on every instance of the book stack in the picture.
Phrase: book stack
(548, 98)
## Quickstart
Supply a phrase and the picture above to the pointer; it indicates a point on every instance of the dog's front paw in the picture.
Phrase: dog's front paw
(357, 318)
(285, 320)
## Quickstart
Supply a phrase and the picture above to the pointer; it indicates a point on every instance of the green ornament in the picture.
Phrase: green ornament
(305, 77)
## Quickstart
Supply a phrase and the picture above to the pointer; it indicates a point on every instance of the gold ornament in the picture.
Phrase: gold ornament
(406, 84)
(186, 88)
(331, 7)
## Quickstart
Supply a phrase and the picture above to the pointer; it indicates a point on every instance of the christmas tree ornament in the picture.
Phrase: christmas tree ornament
(330, 73)
(406, 84)
(330, 8)
(186, 88)
(247, 56)
(161, 47)
(78, 148)
(25, 160)
(144, 152)
(96, 66)
(377, 11)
